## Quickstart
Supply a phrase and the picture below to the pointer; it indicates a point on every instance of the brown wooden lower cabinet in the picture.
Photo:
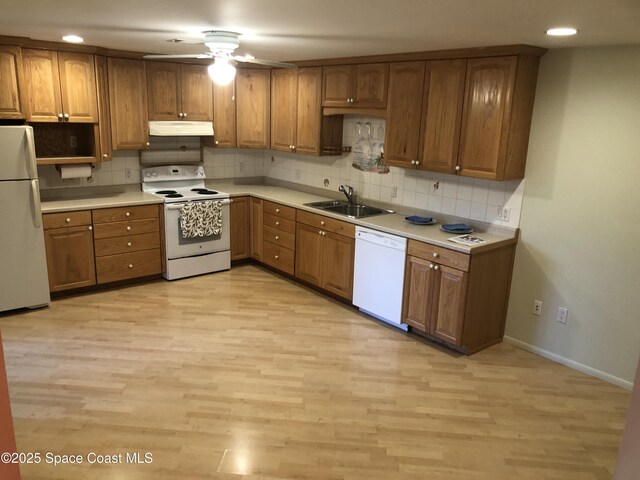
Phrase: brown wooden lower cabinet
(70, 259)
(278, 236)
(240, 228)
(457, 298)
(323, 257)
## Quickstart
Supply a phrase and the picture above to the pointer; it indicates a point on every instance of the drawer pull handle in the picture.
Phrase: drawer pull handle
(277, 210)
(127, 214)
(277, 237)
(131, 265)
(128, 229)
(435, 255)
(275, 256)
(128, 244)
(68, 220)
(431, 265)
(277, 224)
(322, 222)
(436, 267)
(90, 227)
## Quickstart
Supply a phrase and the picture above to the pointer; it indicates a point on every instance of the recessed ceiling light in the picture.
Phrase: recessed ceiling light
(73, 39)
(562, 31)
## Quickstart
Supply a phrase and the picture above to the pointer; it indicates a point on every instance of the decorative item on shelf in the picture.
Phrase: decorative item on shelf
(369, 148)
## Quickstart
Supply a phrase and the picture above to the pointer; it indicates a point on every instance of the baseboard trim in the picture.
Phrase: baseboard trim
(569, 363)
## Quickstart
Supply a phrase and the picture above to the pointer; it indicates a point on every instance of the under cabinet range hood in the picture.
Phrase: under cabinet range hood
(180, 128)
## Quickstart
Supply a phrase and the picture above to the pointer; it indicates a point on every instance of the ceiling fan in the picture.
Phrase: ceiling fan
(221, 46)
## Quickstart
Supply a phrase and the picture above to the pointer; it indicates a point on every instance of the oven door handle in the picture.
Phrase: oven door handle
(178, 206)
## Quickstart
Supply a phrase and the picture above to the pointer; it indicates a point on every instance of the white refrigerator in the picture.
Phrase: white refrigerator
(23, 263)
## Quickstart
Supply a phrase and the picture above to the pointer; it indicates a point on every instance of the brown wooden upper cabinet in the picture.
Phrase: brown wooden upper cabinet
(224, 115)
(61, 86)
(11, 87)
(253, 108)
(104, 149)
(359, 86)
(128, 104)
(179, 92)
(284, 109)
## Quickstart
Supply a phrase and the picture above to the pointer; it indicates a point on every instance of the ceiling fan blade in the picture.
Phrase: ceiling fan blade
(269, 63)
(187, 55)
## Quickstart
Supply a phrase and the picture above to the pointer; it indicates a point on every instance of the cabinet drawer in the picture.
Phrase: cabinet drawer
(279, 210)
(112, 268)
(132, 227)
(440, 255)
(66, 219)
(120, 214)
(129, 243)
(278, 257)
(283, 239)
(328, 224)
(278, 223)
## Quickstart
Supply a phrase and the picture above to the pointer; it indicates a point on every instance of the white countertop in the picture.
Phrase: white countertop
(118, 196)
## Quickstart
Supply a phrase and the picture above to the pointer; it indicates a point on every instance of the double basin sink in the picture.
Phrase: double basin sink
(350, 210)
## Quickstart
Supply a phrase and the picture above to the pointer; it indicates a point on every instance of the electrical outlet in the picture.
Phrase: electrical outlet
(298, 174)
(273, 160)
(504, 214)
(394, 191)
(537, 307)
(127, 172)
(563, 313)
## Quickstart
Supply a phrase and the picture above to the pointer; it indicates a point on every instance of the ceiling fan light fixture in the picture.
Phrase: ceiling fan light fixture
(221, 71)
(561, 31)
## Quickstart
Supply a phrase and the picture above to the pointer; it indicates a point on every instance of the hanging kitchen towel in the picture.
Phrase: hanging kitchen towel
(201, 219)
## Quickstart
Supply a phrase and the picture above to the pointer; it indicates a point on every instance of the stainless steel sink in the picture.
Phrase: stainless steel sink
(343, 208)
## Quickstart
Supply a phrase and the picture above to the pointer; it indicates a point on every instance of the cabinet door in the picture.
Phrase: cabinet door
(308, 254)
(406, 82)
(240, 228)
(371, 85)
(197, 93)
(43, 85)
(284, 97)
(256, 218)
(309, 111)
(418, 299)
(78, 87)
(442, 114)
(163, 89)
(337, 264)
(224, 115)
(254, 108)
(11, 89)
(70, 259)
(337, 86)
(128, 104)
(449, 294)
(486, 114)
(103, 140)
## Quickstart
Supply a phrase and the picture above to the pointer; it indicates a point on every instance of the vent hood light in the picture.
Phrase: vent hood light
(73, 39)
(561, 31)
(221, 71)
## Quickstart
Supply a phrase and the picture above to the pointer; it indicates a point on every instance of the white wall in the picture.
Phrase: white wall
(580, 223)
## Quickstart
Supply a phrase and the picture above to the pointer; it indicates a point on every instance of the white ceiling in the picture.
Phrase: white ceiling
(310, 29)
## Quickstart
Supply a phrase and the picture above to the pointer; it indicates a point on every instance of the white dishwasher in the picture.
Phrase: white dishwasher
(378, 278)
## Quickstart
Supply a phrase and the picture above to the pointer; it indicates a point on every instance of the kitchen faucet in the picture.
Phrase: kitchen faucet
(348, 191)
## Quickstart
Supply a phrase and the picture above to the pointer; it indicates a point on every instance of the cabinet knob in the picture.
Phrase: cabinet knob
(131, 265)
(277, 237)
(275, 256)
(66, 116)
(60, 116)
(458, 168)
(148, 144)
(216, 142)
(413, 162)
(277, 210)
(184, 115)
(128, 229)
(417, 162)
(436, 267)
(105, 156)
(68, 220)
(128, 244)
(322, 222)
(128, 214)
(319, 232)
(277, 224)
(435, 255)
(431, 265)
(90, 227)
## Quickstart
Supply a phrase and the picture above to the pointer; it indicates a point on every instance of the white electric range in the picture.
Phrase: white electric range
(178, 185)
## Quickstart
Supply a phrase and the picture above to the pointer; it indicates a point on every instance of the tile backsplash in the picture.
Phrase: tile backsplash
(463, 197)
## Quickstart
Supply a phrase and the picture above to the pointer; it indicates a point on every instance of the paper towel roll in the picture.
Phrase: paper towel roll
(82, 170)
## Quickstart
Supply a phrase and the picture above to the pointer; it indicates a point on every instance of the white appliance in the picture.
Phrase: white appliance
(180, 128)
(379, 275)
(24, 280)
(186, 257)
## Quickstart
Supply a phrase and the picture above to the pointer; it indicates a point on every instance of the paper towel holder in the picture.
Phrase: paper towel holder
(59, 166)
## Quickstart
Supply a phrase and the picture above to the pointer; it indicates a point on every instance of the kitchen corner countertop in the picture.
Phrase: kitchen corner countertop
(82, 199)
(393, 223)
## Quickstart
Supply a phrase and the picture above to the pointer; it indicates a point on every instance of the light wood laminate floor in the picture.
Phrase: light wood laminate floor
(246, 373)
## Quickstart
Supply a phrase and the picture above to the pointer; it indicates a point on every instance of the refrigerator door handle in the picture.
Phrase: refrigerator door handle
(31, 154)
(35, 203)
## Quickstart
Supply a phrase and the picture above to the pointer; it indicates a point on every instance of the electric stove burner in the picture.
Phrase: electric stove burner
(201, 189)
(173, 195)
(165, 192)
(206, 192)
